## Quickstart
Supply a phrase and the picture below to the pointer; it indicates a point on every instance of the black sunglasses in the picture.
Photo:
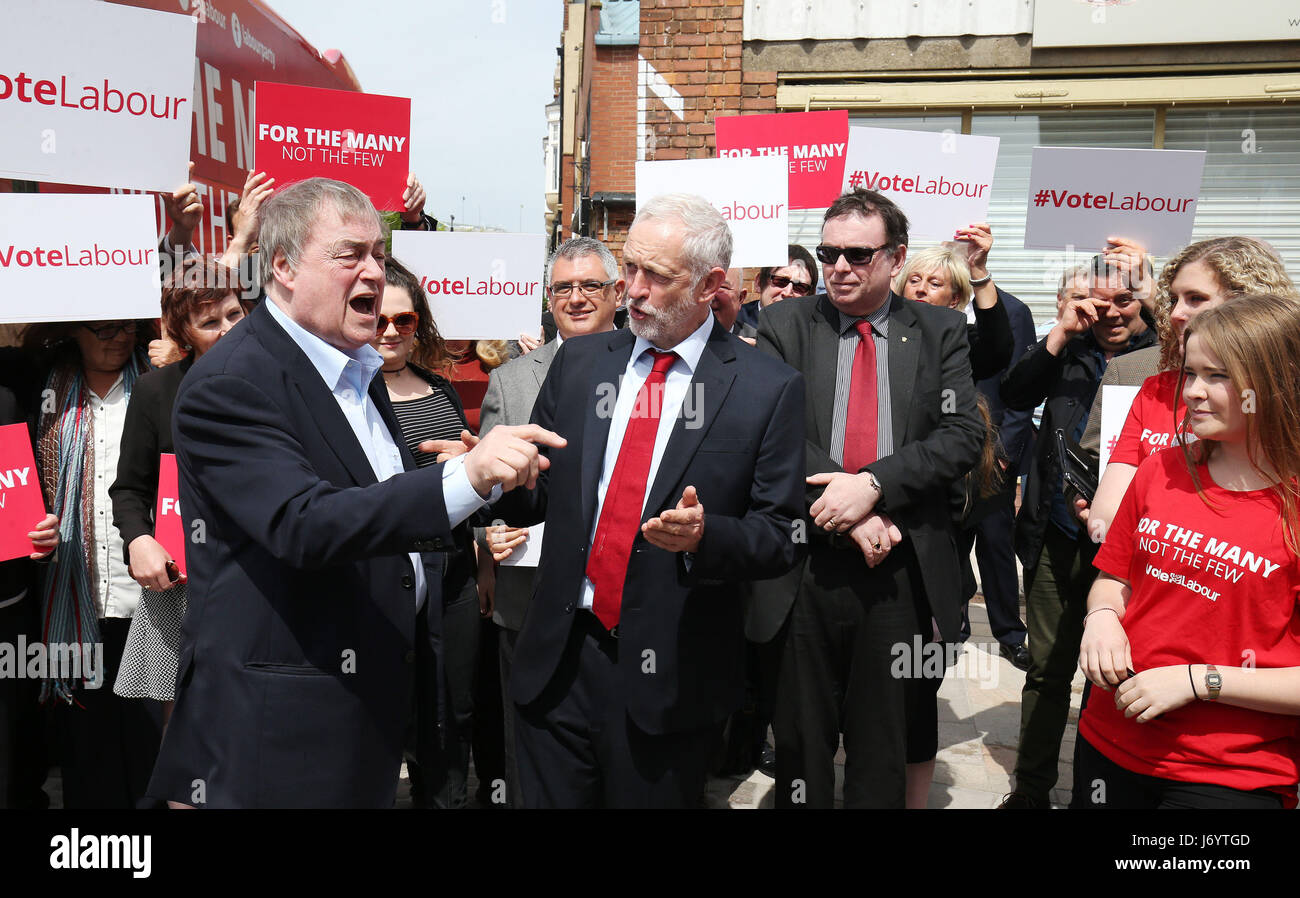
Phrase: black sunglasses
(109, 331)
(780, 282)
(856, 255)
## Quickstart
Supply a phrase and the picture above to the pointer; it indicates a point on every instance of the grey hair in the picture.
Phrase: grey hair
(707, 242)
(1078, 272)
(287, 217)
(580, 247)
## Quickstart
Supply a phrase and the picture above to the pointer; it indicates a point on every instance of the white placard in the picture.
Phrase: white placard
(752, 193)
(76, 257)
(1078, 197)
(1121, 22)
(97, 94)
(941, 180)
(1115, 404)
(480, 286)
(529, 553)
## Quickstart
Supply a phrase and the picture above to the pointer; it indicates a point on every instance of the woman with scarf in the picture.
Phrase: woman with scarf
(81, 377)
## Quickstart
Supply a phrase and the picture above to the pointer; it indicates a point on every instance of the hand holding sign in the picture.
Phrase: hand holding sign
(45, 537)
(152, 566)
(413, 200)
(185, 210)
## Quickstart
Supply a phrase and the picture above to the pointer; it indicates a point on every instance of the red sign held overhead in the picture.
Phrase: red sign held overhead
(363, 139)
(168, 528)
(814, 144)
(21, 505)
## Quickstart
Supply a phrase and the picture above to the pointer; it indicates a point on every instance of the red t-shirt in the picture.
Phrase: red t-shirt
(1209, 585)
(1149, 426)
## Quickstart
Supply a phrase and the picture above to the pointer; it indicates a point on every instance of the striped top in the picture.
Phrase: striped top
(431, 417)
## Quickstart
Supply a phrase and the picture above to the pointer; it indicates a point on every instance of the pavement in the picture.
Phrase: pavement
(979, 726)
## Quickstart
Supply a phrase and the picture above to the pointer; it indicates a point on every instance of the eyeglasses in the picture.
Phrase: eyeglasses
(107, 332)
(590, 289)
(780, 282)
(856, 255)
(404, 322)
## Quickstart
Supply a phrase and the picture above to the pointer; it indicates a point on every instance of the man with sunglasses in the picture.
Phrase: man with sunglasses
(892, 424)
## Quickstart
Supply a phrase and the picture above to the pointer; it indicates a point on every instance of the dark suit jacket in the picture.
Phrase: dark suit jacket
(1015, 426)
(741, 453)
(146, 434)
(511, 393)
(937, 438)
(296, 662)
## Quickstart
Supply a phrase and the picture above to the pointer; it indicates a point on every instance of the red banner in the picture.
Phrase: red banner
(168, 528)
(21, 505)
(814, 144)
(363, 139)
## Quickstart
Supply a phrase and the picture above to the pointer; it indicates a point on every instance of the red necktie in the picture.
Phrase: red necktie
(860, 424)
(620, 515)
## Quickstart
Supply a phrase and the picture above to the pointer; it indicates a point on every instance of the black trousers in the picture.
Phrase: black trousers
(837, 677)
(489, 724)
(577, 747)
(995, 554)
(1101, 783)
(108, 745)
(505, 657)
(22, 724)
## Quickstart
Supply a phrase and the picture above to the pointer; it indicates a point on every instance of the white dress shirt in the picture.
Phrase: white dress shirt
(116, 593)
(676, 384)
(348, 376)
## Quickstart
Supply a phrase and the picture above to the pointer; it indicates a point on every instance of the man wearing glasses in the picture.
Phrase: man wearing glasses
(892, 423)
(583, 286)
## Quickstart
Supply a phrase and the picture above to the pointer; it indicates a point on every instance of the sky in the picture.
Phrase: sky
(479, 74)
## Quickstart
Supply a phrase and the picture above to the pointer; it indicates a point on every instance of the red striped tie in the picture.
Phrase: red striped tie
(860, 424)
(620, 515)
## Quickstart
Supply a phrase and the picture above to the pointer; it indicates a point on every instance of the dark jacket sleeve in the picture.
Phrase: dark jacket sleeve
(991, 342)
(917, 469)
(1016, 428)
(1028, 383)
(231, 437)
(134, 493)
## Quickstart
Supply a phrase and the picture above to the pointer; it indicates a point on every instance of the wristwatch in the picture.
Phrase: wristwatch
(1213, 682)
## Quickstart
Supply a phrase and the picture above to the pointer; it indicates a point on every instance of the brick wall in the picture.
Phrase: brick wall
(696, 46)
(613, 119)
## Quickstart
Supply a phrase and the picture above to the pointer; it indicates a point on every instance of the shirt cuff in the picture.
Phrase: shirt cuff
(458, 495)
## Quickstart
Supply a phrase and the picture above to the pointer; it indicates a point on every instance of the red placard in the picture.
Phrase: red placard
(814, 144)
(168, 528)
(21, 505)
(363, 139)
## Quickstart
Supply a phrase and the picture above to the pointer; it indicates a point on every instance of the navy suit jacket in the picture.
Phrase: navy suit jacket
(296, 663)
(1015, 427)
(681, 644)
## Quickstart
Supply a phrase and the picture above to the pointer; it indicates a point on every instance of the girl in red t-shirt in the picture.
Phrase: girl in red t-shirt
(1193, 621)
(1200, 277)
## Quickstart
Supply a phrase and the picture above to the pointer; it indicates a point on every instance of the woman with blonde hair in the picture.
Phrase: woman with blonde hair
(1200, 277)
(1193, 621)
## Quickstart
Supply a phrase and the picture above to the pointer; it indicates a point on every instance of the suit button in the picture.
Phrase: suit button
(410, 657)
(408, 582)
(568, 609)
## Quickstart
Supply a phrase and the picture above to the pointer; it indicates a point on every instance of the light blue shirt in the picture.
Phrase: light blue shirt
(348, 376)
(675, 401)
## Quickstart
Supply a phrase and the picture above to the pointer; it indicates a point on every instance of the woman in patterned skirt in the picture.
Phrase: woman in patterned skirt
(199, 306)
